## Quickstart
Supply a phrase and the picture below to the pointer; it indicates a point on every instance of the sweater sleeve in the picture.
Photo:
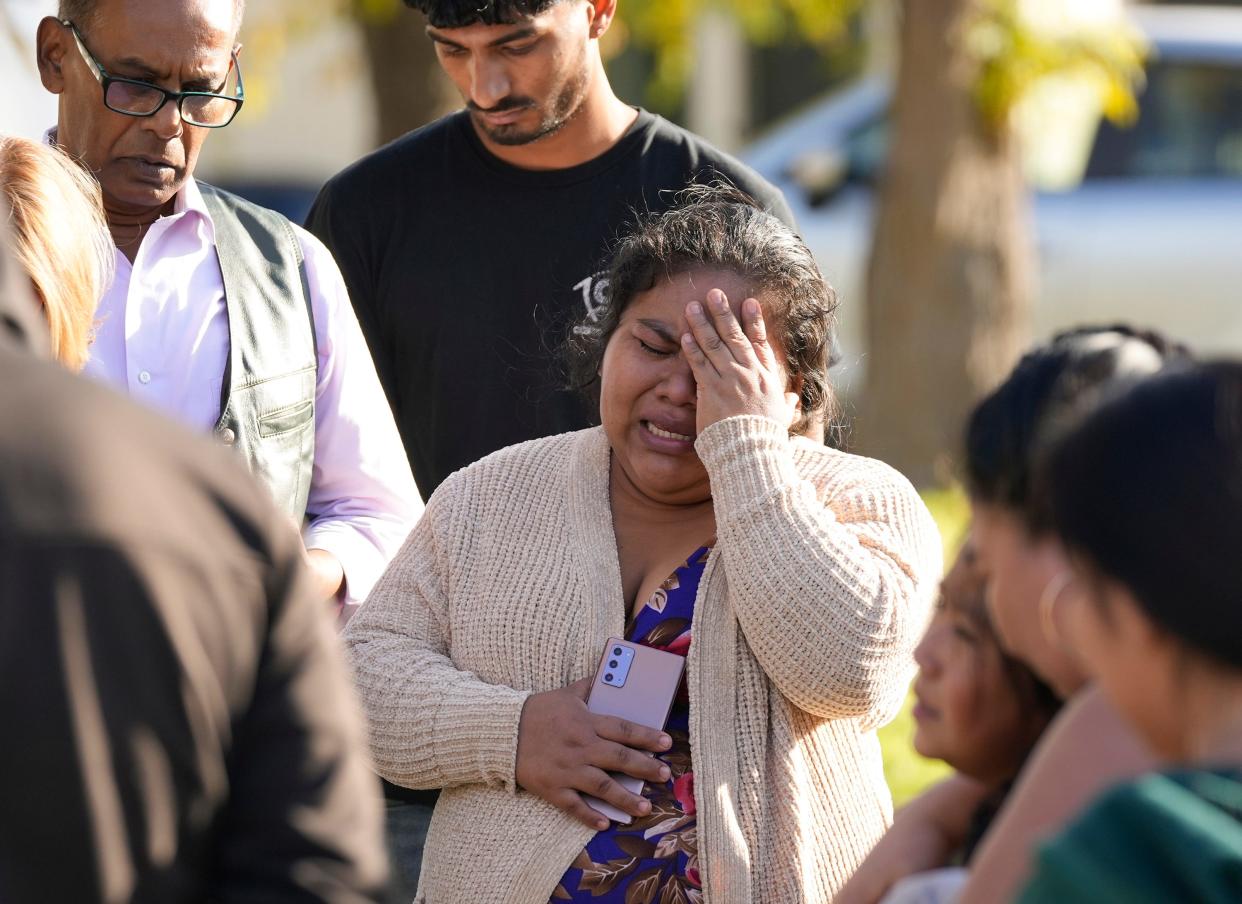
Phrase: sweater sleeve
(831, 595)
(432, 725)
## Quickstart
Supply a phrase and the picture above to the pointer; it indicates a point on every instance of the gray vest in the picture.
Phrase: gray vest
(267, 404)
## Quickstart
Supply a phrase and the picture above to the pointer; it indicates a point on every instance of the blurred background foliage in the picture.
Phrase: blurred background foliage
(665, 32)
(1017, 53)
(799, 47)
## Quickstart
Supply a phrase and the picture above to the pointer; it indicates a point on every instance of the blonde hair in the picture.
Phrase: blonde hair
(60, 238)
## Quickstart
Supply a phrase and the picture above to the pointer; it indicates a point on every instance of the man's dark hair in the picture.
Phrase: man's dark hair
(1148, 491)
(720, 227)
(459, 13)
(1050, 388)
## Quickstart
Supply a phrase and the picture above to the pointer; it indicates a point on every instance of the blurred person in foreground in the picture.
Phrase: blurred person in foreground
(179, 725)
(977, 708)
(1151, 606)
(222, 314)
(472, 245)
(796, 580)
(1087, 747)
(60, 239)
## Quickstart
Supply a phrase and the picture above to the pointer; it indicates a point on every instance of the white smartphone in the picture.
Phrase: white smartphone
(638, 684)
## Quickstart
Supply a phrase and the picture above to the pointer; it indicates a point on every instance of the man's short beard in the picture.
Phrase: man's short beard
(564, 108)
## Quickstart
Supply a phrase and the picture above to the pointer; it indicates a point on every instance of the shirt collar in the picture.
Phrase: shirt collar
(190, 200)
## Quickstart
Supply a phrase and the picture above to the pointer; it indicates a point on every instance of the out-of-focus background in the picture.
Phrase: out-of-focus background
(972, 175)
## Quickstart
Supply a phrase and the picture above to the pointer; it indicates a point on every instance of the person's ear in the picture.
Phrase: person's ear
(603, 12)
(50, 50)
(795, 386)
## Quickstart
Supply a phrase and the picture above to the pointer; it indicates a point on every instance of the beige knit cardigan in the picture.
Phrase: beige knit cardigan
(804, 625)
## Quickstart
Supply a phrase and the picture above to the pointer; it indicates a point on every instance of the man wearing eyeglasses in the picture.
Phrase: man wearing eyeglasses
(223, 314)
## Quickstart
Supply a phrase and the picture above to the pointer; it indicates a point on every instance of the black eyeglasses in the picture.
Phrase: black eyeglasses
(132, 97)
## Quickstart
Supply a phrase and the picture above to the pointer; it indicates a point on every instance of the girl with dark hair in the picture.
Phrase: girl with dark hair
(1151, 606)
(1087, 746)
(696, 519)
(977, 708)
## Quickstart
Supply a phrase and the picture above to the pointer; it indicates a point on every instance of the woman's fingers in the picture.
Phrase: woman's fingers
(757, 332)
(699, 365)
(573, 804)
(728, 329)
(580, 688)
(631, 734)
(619, 758)
(718, 334)
(599, 784)
(707, 347)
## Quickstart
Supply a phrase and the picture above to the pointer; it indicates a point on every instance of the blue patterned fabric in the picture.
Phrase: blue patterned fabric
(654, 858)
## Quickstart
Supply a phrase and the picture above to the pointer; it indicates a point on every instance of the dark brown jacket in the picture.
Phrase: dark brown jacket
(175, 720)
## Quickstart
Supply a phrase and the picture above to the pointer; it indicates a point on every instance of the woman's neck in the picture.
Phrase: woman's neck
(631, 504)
(1214, 723)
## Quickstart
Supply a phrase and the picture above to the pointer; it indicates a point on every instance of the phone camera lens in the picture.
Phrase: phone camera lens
(616, 651)
(608, 677)
(613, 664)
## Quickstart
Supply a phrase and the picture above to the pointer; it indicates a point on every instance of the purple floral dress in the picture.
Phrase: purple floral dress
(654, 859)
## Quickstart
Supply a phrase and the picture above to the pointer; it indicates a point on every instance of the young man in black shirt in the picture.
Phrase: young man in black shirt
(472, 245)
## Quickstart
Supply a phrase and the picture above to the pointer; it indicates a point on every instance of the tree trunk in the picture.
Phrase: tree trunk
(951, 261)
(410, 87)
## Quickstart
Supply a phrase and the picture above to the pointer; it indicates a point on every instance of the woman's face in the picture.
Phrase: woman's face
(1134, 663)
(1018, 569)
(968, 712)
(648, 393)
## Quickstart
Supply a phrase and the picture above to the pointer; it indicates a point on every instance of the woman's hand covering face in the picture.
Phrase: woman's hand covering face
(734, 365)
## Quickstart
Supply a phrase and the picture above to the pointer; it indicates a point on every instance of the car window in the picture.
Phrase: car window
(1055, 128)
(866, 149)
(1189, 126)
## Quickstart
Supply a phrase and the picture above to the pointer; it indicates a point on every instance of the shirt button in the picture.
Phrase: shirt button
(227, 436)
(144, 377)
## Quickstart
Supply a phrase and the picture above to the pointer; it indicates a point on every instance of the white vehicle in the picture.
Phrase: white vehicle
(1142, 225)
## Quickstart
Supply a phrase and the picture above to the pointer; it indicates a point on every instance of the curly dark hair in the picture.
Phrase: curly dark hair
(459, 13)
(1052, 388)
(718, 226)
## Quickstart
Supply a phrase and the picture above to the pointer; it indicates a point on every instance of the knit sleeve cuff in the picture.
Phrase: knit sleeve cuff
(749, 459)
(479, 734)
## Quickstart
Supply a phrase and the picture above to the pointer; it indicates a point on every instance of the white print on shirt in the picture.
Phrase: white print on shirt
(594, 294)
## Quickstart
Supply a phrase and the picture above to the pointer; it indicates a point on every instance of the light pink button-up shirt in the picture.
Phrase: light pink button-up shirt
(163, 338)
